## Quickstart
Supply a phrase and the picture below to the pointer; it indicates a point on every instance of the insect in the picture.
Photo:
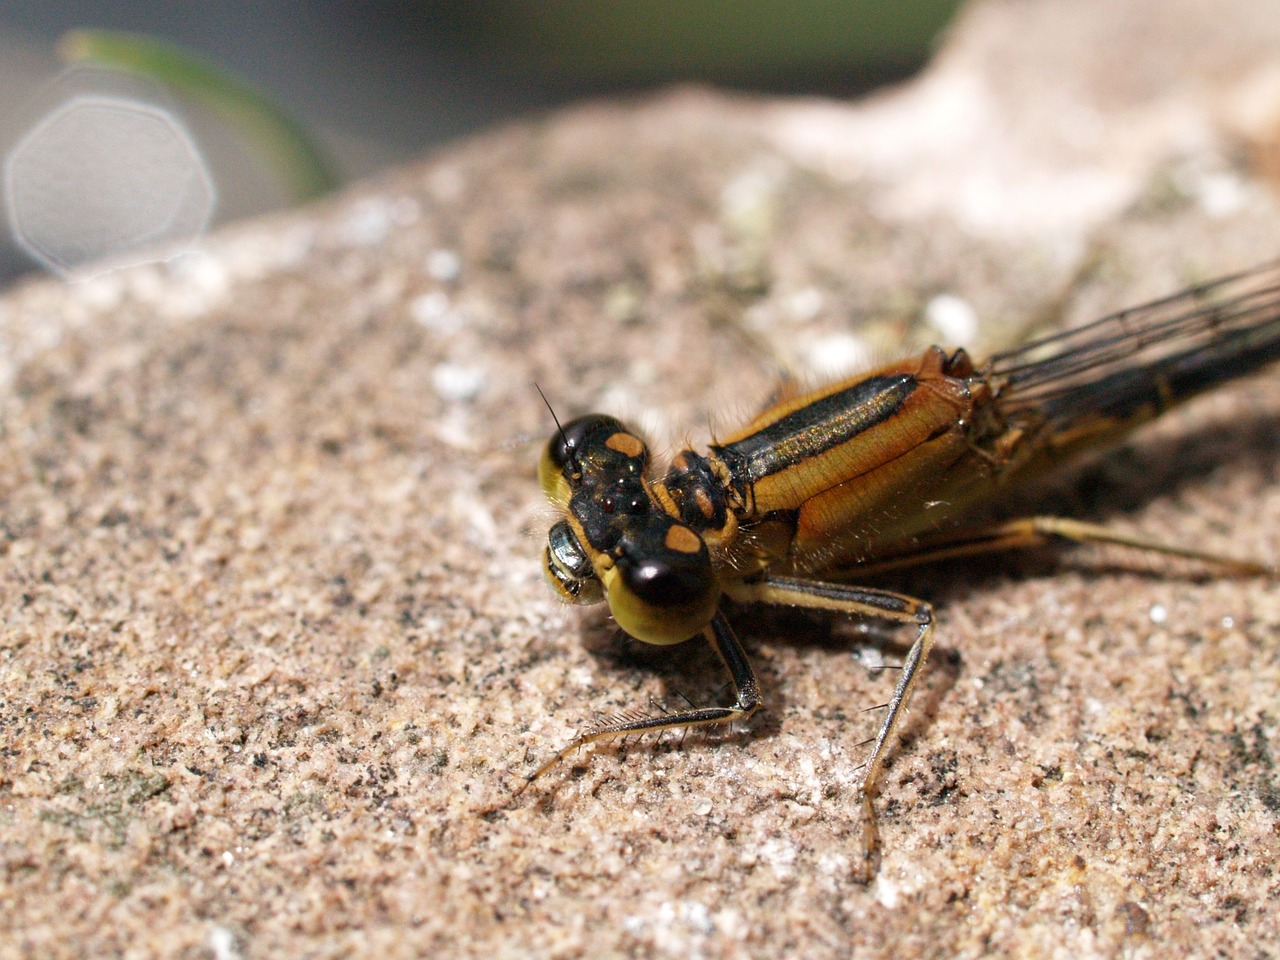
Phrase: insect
(872, 473)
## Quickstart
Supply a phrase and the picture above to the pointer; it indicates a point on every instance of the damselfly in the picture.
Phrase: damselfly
(873, 473)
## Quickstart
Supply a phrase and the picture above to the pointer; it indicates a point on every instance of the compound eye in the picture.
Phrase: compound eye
(571, 439)
(665, 595)
(565, 449)
(667, 581)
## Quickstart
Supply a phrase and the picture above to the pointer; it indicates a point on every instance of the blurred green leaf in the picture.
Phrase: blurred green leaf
(285, 146)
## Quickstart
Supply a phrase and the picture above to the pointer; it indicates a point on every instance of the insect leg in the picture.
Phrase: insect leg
(720, 635)
(1026, 532)
(867, 602)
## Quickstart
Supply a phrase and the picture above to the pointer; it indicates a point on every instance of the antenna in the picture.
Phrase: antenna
(563, 436)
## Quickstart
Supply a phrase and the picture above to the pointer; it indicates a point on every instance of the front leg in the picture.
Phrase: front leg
(720, 635)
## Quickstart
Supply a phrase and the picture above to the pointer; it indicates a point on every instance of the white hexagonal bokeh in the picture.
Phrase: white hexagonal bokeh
(106, 179)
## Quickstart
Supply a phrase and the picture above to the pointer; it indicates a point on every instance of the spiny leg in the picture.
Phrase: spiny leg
(717, 633)
(866, 602)
(1026, 532)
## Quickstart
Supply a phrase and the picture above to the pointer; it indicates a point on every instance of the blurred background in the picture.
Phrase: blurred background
(377, 83)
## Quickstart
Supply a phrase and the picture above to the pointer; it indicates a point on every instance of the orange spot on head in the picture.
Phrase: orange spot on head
(682, 540)
(626, 444)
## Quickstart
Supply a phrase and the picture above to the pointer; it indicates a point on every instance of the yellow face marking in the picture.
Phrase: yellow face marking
(625, 444)
(682, 540)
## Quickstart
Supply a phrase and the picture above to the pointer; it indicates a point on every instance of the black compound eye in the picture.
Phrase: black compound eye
(663, 587)
(670, 580)
(567, 444)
